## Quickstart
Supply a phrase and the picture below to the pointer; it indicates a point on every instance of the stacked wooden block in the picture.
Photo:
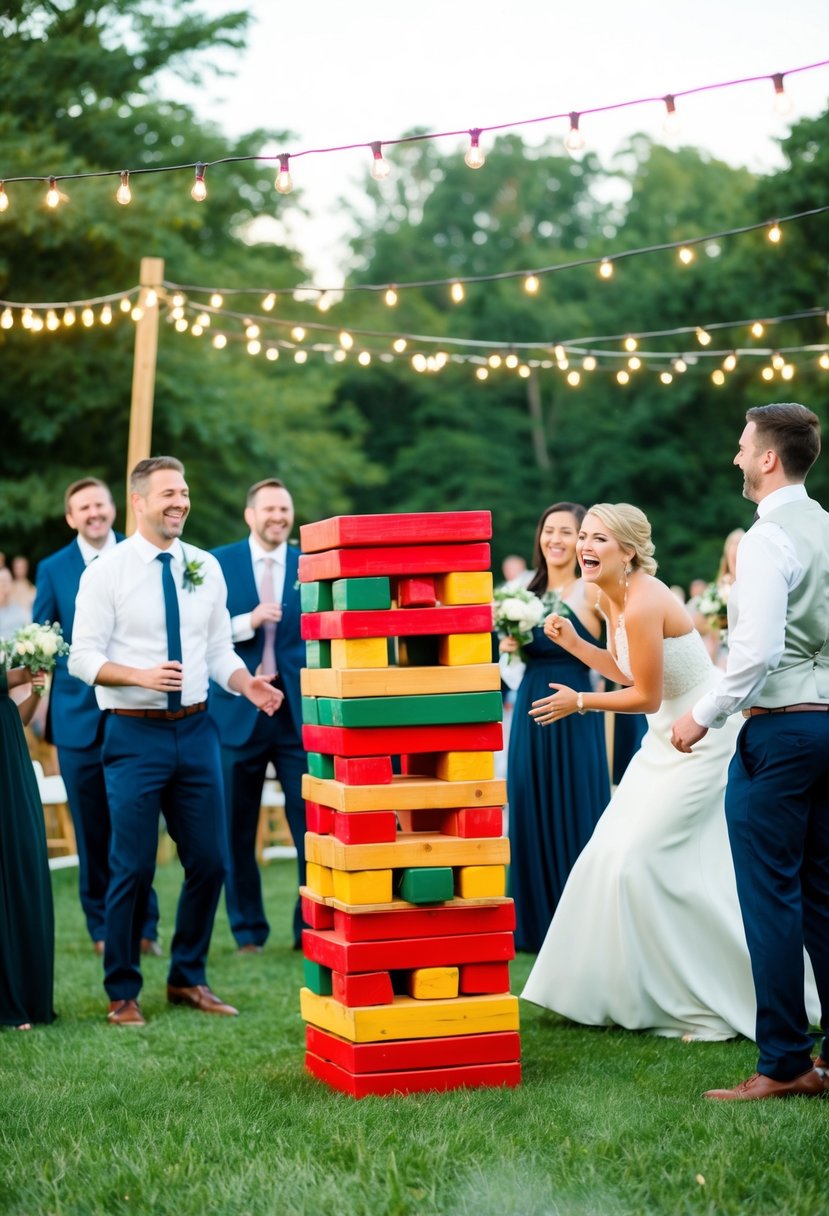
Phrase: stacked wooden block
(407, 959)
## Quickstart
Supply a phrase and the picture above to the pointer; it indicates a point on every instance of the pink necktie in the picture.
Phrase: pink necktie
(266, 596)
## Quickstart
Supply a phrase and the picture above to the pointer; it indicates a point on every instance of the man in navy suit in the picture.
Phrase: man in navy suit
(261, 573)
(74, 722)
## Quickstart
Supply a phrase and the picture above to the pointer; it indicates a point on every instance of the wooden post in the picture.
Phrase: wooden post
(143, 370)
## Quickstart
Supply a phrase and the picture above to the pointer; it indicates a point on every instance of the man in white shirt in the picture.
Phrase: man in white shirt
(151, 626)
(777, 799)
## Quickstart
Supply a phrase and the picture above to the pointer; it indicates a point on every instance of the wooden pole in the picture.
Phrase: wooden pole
(143, 370)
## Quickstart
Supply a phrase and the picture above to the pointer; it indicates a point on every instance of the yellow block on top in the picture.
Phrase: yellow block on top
(457, 649)
(362, 886)
(465, 766)
(410, 849)
(480, 882)
(406, 1018)
(433, 983)
(359, 652)
(473, 587)
(319, 879)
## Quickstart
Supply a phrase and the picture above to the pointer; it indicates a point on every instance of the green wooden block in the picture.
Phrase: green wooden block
(318, 654)
(419, 651)
(316, 597)
(320, 765)
(437, 709)
(310, 713)
(426, 884)
(317, 978)
(365, 593)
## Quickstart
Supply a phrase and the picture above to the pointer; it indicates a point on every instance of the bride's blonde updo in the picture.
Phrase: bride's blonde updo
(630, 527)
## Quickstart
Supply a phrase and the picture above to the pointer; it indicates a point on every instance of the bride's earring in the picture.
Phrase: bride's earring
(628, 569)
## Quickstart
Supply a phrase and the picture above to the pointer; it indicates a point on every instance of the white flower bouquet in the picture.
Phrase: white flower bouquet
(516, 612)
(712, 604)
(36, 647)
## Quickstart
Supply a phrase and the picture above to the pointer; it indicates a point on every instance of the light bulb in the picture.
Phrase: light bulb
(339, 355)
(775, 233)
(272, 354)
(574, 140)
(589, 363)
(718, 377)
(219, 341)
(531, 284)
(730, 362)
(7, 319)
(524, 371)
(630, 342)
(199, 190)
(150, 297)
(703, 337)
(324, 301)
(52, 194)
(269, 302)
(573, 379)
(68, 316)
(419, 362)
(777, 362)
(380, 168)
(823, 361)
(125, 304)
(666, 377)
(390, 297)
(196, 330)
(670, 123)
(634, 363)
(767, 373)
(106, 315)
(300, 356)
(254, 347)
(137, 313)
(757, 329)
(26, 318)
(680, 366)
(399, 345)
(787, 371)
(181, 324)
(494, 361)
(203, 320)
(52, 321)
(559, 353)
(123, 194)
(284, 182)
(686, 255)
(606, 268)
(346, 340)
(37, 324)
(178, 300)
(252, 331)
(364, 358)
(563, 364)
(457, 293)
(297, 333)
(87, 317)
(782, 101)
(216, 300)
(482, 373)
(511, 362)
(4, 198)
(622, 377)
(474, 158)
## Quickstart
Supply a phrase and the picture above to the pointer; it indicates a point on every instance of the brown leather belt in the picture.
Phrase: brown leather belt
(165, 715)
(808, 707)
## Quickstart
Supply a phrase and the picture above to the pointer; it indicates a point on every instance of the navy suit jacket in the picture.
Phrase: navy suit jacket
(236, 716)
(73, 719)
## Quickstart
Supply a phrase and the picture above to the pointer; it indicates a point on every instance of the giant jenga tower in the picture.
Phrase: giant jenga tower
(407, 960)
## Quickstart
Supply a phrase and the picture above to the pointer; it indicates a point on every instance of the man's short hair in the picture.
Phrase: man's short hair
(144, 470)
(792, 431)
(82, 483)
(269, 483)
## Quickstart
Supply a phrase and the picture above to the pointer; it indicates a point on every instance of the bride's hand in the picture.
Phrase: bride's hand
(560, 705)
(561, 631)
(508, 646)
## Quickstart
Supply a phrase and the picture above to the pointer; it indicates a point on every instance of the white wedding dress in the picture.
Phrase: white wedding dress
(648, 933)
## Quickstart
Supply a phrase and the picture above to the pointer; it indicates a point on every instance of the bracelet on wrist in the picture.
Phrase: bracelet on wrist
(580, 706)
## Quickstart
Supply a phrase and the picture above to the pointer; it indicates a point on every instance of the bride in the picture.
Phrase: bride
(648, 934)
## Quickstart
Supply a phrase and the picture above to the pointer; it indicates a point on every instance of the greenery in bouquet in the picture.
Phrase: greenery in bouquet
(35, 647)
(712, 604)
(516, 613)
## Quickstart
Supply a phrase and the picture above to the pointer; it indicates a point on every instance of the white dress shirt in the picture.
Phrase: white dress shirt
(768, 569)
(89, 552)
(120, 618)
(241, 626)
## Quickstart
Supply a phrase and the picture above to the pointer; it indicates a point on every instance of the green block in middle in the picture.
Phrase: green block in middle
(426, 884)
(426, 709)
(366, 593)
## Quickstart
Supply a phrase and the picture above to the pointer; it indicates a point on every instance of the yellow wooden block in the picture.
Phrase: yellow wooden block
(410, 849)
(407, 1018)
(465, 766)
(480, 882)
(472, 587)
(403, 794)
(319, 879)
(398, 681)
(433, 983)
(459, 648)
(362, 886)
(359, 652)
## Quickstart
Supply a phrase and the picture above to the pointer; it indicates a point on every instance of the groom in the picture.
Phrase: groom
(777, 799)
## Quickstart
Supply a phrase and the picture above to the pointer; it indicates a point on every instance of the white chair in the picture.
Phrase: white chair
(60, 833)
(273, 836)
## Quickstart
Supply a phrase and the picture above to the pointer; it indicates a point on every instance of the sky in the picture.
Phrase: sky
(349, 71)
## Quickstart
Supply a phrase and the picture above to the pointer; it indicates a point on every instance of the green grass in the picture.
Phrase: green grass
(205, 1115)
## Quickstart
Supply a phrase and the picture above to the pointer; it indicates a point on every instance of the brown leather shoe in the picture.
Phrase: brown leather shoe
(250, 948)
(200, 997)
(808, 1085)
(125, 1013)
(152, 947)
(821, 1065)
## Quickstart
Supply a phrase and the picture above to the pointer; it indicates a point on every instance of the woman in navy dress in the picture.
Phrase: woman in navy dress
(557, 782)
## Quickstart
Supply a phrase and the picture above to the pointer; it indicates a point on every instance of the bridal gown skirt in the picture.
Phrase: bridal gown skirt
(648, 934)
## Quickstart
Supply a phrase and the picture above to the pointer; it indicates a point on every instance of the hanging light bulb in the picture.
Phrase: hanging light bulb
(775, 233)
(298, 333)
(203, 320)
(457, 293)
(219, 341)
(777, 362)
(670, 123)
(196, 330)
(703, 337)
(138, 312)
(481, 373)
(630, 342)
(574, 140)
(787, 371)
(606, 268)
(634, 363)
(531, 284)
(216, 300)
(123, 194)
(68, 316)
(37, 323)
(364, 358)
(823, 361)
(782, 101)
(419, 362)
(52, 321)
(199, 191)
(6, 319)
(524, 371)
(182, 323)
(757, 329)
(125, 304)
(251, 331)
(390, 297)
(106, 315)
(494, 361)
(150, 297)
(767, 373)
(254, 346)
(573, 379)
(559, 352)
(686, 255)
(729, 362)
(346, 340)
(300, 356)
(474, 157)
(284, 183)
(718, 377)
(511, 361)
(622, 377)
(380, 168)
(324, 301)
(4, 198)
(272, 354)
(178, 300)
(269, 302)
(53, 194)
(87, 317)
(589, 363)
(680, 366)
(666, 377)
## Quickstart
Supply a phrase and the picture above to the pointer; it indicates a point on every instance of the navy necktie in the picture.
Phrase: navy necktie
(173, 619)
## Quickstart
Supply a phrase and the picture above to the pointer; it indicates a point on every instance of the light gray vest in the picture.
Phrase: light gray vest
(802, 675)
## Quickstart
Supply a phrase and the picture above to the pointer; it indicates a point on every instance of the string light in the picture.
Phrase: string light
(123, 194)
(634, 363)
(300, 356)
(574, 140)
(686, 255)
(87, 317)
(524, 371)
(511, 361)
(606, 268)
(666, 377)
(6, 319)
(53, 194)
(364, 358)
(199, 190)
(125, 304)
(298, 333)
(767, 373)
(703, 336)
(284, 183)
(823, 361)
(680, 366)
(346, 340)
(482, 373)
(216, 300)
(718, 377)
(589, 363)
(494, 362)
(622, 377)
(787, 371)
(670, 123)
(573, 379)
(380, 168)
(775, 233)
(782, 101)
(730, 362)
(106, 315)
(531, 284)
(269, 302)
(399, 345)
(272, 354)
(777, 361)
(474, 157)
(219, 341)
(390, 297)
(630, 342)
(757, 329)
(69, 317)
(4, 198)
(457, 292)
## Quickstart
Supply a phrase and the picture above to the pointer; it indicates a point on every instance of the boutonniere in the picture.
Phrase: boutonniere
(193, 574)
(296, 585)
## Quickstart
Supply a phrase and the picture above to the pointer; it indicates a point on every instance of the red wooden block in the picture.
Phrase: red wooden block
(403, 559)
(416, 592)
(421, 765)
(365, 827)
(363, 770)
(414, 528)
(499, 1047)
(484, 977)
(421, 821)
(318, 916)
(473, 821)
(319, 818)
(424, 922)
(392, 623)
(369, 988)
(340, 741)
(381, 1084)
(331, 950)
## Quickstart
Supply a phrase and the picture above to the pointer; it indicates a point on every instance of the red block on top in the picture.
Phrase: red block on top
(420, 528)
(403, 559)
(392, 623)
(401, 740)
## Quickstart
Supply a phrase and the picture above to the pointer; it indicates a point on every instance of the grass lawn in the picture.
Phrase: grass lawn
(205, 1115)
